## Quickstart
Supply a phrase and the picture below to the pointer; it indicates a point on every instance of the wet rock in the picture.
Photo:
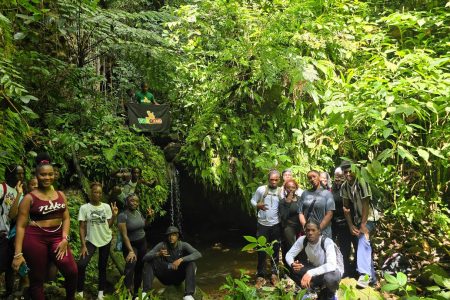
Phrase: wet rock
(171, 151)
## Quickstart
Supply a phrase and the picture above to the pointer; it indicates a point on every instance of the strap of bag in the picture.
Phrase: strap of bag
(308, 213)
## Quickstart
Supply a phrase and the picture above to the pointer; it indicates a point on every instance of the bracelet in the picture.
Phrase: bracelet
(18, 255)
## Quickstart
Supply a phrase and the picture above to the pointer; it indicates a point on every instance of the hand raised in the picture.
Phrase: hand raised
(114, 209)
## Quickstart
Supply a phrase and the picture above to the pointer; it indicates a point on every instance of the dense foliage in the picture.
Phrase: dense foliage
(253, 85)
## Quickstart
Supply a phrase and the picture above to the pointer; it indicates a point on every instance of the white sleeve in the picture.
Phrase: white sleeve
(257, 195)
(295, 250)
(108, 211)
(331, 264)
(82, 213)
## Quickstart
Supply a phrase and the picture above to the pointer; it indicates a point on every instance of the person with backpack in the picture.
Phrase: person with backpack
(317, 203)
(361, 222)
(323, 267)
(266, 200)
(172, 262)
(11, 192)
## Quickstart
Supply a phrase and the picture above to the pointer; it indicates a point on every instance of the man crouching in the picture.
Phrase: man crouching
(172, 262)
(321, 267)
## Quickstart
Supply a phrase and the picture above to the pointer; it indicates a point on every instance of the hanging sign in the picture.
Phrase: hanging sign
(149, 117)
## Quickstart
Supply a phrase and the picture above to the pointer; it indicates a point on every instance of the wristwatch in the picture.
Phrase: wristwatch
(67, 238)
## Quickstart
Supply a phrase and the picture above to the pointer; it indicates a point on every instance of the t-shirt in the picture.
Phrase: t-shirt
(324, 203)
(354, 193)
(10, 195)
(268, 217)
(146, 97)
(338, 215)
(97, 228)
(135, 223)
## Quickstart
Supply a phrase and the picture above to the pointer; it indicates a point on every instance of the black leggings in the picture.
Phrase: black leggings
(134, 269)
(103, 254)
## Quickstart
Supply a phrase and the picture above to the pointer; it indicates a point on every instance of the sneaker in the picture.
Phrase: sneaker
(260, 282)
(310, 295)
(188, 297)
(363, 281)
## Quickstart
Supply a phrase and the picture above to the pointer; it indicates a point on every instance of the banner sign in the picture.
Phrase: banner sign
(149, 117)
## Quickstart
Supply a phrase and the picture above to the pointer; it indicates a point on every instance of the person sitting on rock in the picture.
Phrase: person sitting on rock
(321, 269)
(172, 262)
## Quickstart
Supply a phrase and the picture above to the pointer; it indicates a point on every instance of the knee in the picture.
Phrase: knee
(332, 280)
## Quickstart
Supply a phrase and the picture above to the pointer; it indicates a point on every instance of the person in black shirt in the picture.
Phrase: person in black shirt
(339, 227)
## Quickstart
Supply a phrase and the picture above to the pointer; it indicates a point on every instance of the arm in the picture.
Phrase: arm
(257, 197)
(155, 252)
(15, 205)
(22, 220)
(83, 232)
(346, 208)
(295, 250)
(194, 254)
(302, 219)
(365, 214)
(326, 220)
(114, 211)
(123, 231)
(329, 207)
(61, 250)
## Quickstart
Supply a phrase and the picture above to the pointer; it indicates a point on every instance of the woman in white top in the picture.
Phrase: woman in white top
(96, 219)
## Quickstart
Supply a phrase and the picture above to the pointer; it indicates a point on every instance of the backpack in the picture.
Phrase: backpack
(339, 256)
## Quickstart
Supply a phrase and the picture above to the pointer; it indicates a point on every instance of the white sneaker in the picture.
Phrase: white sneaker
(363, 281)
(188, 297)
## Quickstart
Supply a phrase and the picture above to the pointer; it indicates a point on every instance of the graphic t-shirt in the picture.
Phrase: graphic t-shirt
(97, 228)
(146, 97)
(10, 195)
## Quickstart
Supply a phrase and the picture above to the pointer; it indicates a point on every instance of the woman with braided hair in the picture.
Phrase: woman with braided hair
(45, 237)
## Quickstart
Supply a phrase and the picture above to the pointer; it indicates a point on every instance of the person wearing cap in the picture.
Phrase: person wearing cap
(361, 221)
(172, 262)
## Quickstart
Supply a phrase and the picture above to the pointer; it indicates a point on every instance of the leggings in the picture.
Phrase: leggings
(134, 269)
(39, 249)
(103, 254)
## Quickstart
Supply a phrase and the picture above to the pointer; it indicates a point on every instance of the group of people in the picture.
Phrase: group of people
(314, 226)
(35, 227)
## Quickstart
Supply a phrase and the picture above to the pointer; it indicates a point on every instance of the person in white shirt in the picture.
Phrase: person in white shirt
(96, 219)
(321, 268)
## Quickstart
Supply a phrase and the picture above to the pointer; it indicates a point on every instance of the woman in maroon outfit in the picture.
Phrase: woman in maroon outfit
(45, 236)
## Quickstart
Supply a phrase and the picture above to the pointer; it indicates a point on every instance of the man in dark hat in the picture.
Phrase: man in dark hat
(172, 262)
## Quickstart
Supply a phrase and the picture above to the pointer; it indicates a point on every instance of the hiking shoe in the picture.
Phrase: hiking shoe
(274, 279)
(363, 281)
(260, 282)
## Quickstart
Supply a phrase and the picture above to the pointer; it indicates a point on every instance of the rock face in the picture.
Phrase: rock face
(172, 292)
(171, 151)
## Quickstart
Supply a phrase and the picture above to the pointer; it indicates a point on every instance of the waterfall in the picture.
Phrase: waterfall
(176, 217)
